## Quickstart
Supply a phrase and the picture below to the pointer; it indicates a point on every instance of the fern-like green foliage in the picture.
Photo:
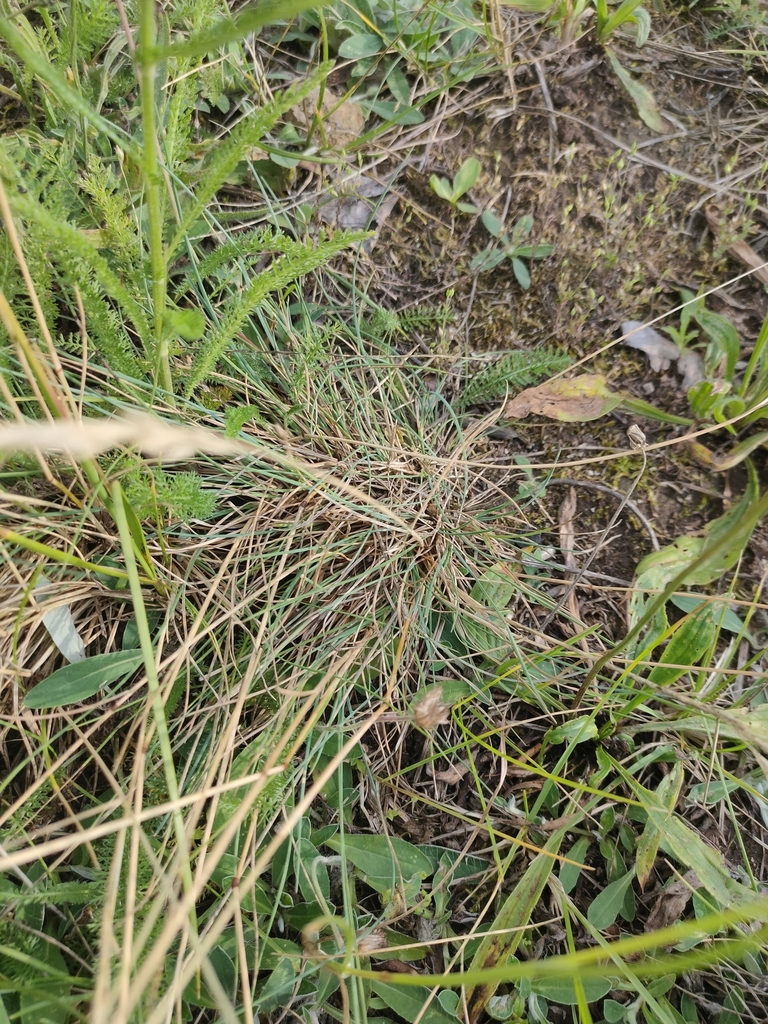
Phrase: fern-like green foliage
(226, 156)
(296, 260)
(177, 495)
(54, 893)
(512, 372)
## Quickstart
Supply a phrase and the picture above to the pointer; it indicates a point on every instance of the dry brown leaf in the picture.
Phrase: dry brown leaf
(577, 400)
(372, 942)
(452, 775)
(342, 120)
(431, 710)
(672, 901)
(356, 205)
(565, 515)
(740, 250)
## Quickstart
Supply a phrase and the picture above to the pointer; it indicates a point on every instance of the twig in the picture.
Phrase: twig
(638, 442)
(568, 481)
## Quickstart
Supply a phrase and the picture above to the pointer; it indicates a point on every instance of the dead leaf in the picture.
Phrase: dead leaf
(672, 901)
(660, 350)
(372, 942)
(431, 710)
(565, 516)
(577, 400)
(356, 204)
(452, 775)
(342, 120)
(740, 250)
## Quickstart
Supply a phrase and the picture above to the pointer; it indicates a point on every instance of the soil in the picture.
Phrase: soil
(628, 229)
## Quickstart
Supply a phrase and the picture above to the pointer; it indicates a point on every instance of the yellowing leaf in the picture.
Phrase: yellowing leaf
(506, 930)
(641, 97)
(578, 400)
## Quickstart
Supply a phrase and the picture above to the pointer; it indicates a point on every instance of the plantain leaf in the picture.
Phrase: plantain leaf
(383, 860)
(509, 922)
(693, 637)
(640, 96)
(607, 905)
(81, 680)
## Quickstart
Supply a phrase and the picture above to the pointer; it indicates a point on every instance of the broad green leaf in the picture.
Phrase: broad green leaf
(491, 223)
(466, 177)
(693, 637)
(523, 227)
(495, 588)
(398, 86)
(442, 187)
(724, 617)
(363, 44)
(734, 456)
(311, 871)
(563, 991)
(709, 793)
(278, 987)
(607, 905)
(464, 865)
(640, 96)
(73, 683)
(648, 844)
(659, 568)
(577, 730)
(46, 997)
(745, 725)
(409, 1001)
(643, 21)
(530, 252)
(723, 349)
(383, 861)
(522, 273)
(502, 1007)
(569, 873)
(622, 14)
(514, 915)
(188, 324)
(394, 113)
(613, 1011)
(688, 849)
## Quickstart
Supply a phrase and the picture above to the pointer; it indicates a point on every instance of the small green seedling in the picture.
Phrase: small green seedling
(463, 181)
(512, 248)
(713, 397)
(681, 336)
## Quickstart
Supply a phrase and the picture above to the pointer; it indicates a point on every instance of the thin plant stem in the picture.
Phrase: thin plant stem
(152, 189)
(153, 684)
(638, 446)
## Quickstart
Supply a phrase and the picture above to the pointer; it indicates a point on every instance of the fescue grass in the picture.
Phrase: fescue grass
(344, 775)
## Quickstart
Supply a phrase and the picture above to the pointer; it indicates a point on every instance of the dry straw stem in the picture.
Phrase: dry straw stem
(88, 437)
